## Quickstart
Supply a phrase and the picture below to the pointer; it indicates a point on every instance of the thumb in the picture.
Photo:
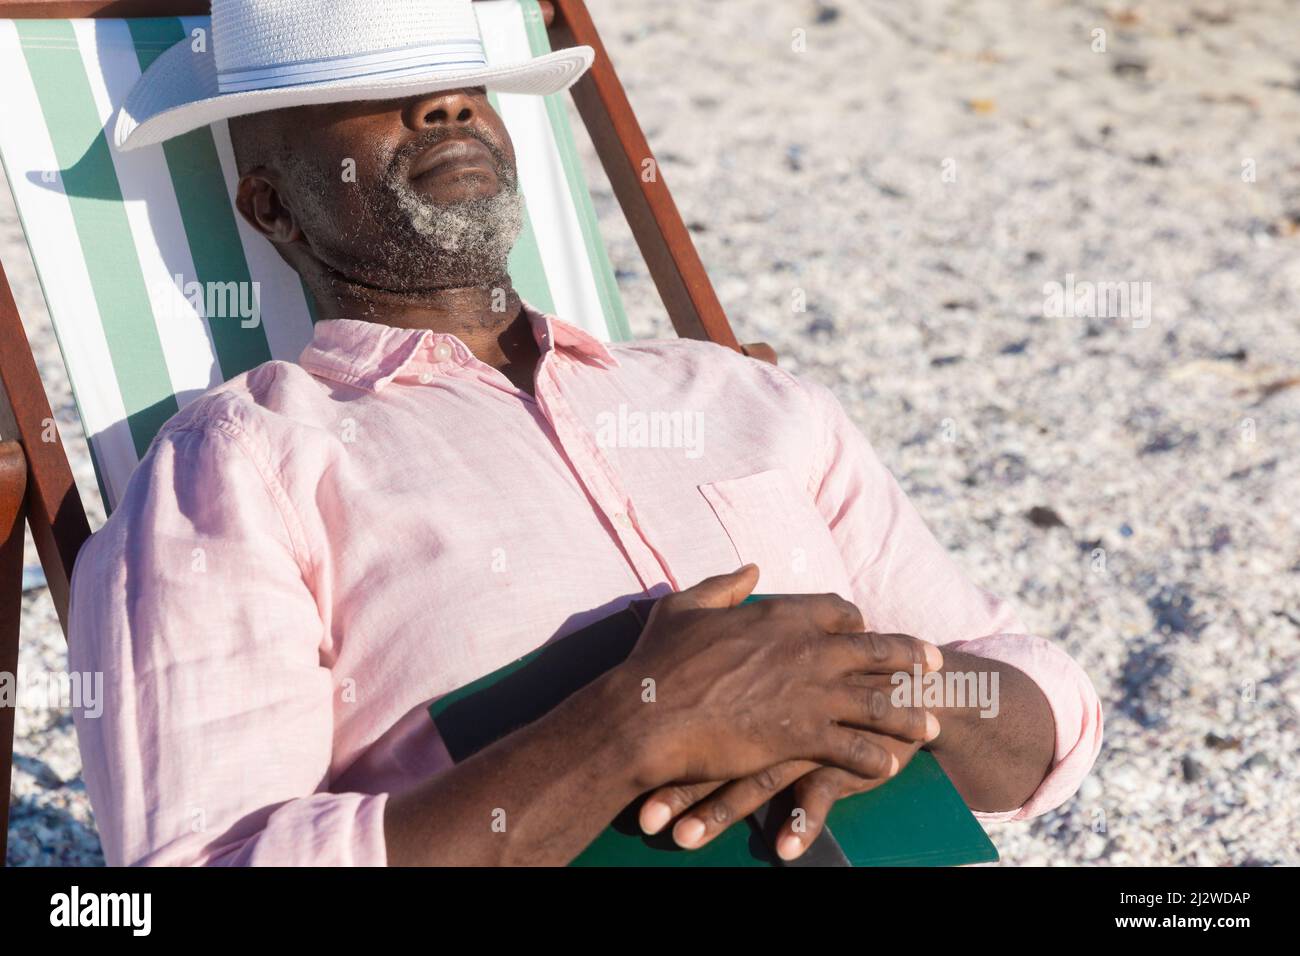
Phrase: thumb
(722, 590)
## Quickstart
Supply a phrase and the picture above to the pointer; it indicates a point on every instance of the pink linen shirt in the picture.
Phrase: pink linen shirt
(311, 553)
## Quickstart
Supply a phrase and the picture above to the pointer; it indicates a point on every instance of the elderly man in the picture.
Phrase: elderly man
(312, 552)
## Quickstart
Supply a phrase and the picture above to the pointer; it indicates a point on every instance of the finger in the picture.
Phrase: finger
(814, 796)
(829, 612)
(668, 802)
(722, 590)
(856, 751)
(875, 709)
(735, 801)
(859, 679)
(883, 653)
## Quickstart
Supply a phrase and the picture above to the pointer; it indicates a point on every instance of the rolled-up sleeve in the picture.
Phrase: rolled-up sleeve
(213, 743)
(904, 581)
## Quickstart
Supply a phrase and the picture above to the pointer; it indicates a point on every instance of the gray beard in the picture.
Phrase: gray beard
(460, 244)
(423, 245)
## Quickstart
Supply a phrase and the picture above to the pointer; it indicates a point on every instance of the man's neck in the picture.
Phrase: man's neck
(490, 322)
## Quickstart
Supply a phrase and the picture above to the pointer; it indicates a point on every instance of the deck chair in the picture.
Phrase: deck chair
(116, 238)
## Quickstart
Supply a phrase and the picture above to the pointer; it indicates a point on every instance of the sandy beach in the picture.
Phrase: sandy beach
(1048, 256)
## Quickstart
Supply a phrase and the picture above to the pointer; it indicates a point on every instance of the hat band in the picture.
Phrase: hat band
(447, 56)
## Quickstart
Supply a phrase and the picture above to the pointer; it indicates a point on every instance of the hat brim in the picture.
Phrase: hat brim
(179, 92)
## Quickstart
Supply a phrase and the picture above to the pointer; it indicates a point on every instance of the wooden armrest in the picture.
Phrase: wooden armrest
(13, 489)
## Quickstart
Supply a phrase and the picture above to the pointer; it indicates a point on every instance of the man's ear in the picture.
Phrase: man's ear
(258, 201)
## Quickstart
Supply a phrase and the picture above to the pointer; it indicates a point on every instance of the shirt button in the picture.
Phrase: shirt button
(442, 352)
(622, 520)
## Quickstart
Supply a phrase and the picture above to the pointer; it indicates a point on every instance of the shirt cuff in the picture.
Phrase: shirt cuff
(1075, 708)
(324, 829)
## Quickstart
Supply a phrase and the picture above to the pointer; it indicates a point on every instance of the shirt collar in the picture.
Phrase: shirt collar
(369, 355)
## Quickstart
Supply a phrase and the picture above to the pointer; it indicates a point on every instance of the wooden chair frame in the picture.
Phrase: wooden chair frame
(36, 484)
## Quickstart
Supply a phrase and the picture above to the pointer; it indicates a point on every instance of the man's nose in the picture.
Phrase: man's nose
(445, 108)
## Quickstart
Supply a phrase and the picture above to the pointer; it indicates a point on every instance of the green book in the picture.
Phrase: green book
(916, 819)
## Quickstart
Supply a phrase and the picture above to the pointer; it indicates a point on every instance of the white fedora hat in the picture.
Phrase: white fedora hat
(268, 54)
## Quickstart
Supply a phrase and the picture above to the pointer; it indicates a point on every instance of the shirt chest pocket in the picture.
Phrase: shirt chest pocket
(772, 522)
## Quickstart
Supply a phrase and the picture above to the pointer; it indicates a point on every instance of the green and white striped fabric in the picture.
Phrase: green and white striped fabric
(137, 251)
